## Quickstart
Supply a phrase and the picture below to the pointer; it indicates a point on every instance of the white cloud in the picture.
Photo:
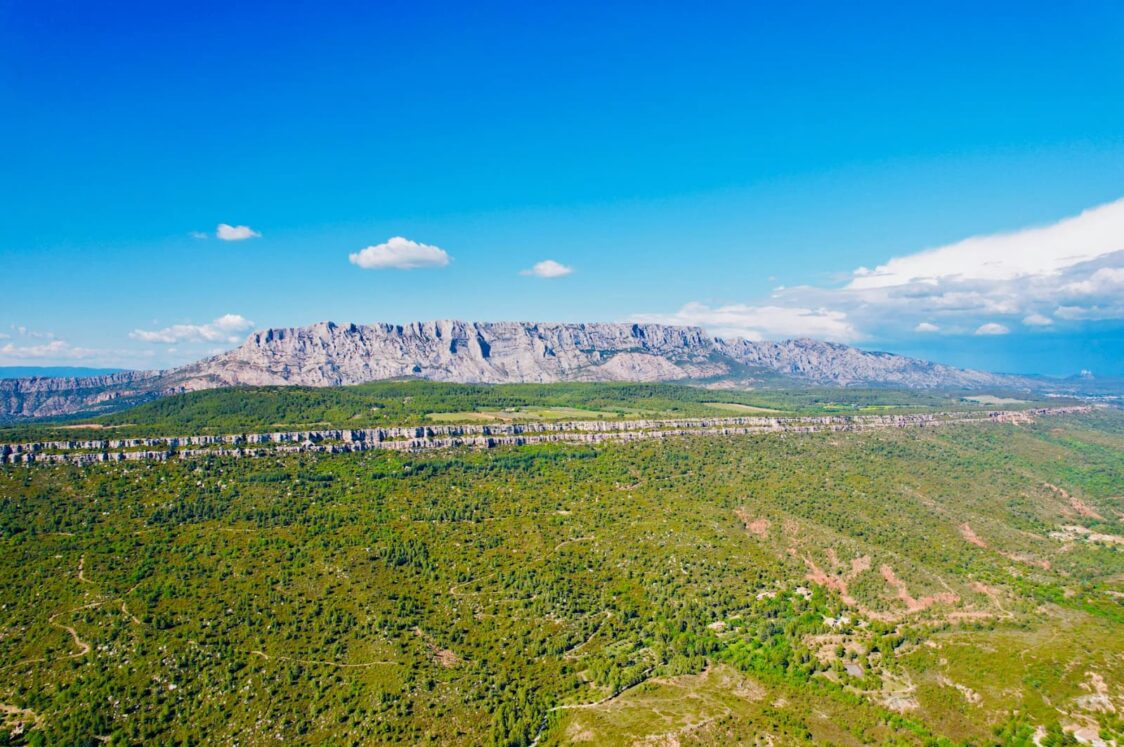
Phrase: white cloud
(991, 328)
(1045, 250)
(22, 331)
(55, 349)
(227, 328)
(548, 268)
(759, 322)
(227, 232)
(199, 235)
(1093, 312)
(1074, 266)
(400, 254)
(1104, 281)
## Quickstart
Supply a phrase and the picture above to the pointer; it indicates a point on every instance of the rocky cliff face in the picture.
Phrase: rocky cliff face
(842, 365)
(40, 397)
(329, 354)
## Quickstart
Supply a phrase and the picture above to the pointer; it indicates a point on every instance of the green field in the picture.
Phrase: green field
(513, 414)
(737, 407)
(961, 585)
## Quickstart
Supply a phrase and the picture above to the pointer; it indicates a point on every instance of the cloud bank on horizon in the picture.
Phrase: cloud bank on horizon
(1068, 271)
(227, 328)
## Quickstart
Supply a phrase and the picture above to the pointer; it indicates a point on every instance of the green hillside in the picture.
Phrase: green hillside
(413, 402)
(923, 587)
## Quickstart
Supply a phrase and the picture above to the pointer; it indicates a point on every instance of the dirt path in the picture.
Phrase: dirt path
(20, 718)
(572, 653)
(82, 571)
(132, 618)
(576, 706)
(563, 543)
(84, 648)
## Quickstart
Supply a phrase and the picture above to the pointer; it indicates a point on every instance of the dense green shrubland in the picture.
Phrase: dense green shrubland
(462, 597)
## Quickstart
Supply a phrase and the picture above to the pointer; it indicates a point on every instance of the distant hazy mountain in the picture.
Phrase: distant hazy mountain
(23, 372)
(329, 354)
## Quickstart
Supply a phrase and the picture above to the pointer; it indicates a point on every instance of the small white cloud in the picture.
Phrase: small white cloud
(548, 268)
(400, 254)
(926, 327)
(201, 235)
(1088, 313)
(1037, 320)
(224, 329)
(227, 232)
(991, 328)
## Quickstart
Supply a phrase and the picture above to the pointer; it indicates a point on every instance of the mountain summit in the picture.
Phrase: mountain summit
(330, 354)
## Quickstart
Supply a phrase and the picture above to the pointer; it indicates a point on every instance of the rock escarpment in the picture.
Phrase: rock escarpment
(329, 354)
(843, 365)
(41, 396)
(422, 438)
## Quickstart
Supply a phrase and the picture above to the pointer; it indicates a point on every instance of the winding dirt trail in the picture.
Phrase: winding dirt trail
(573, 653)
(21, 718)
(83, 646)
(82, 571)
(132, 618)
(577, 706)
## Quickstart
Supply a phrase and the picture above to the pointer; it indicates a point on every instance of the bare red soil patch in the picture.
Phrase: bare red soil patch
(757, 526)
(837, 582)
(970, 536)
(912, 604)
(1080, 506)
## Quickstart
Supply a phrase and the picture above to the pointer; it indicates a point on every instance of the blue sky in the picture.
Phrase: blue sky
(683, 163)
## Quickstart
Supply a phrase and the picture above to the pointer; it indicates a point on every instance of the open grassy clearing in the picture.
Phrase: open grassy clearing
(991, 399)
(738, 407)
(522, 413)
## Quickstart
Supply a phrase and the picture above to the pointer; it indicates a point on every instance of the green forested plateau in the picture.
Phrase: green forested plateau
(412, 402)
(961, 585)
